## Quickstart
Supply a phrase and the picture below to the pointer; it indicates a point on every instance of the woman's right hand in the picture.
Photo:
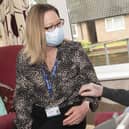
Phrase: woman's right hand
(91, 89)
(76, 114)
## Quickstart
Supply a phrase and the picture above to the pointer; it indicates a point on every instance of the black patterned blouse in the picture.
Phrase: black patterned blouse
(73, 70)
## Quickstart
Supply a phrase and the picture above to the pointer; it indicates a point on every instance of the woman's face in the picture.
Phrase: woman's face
(53, 26)
(51, 20)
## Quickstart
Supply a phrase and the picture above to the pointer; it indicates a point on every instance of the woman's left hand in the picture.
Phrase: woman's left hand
(76, 114)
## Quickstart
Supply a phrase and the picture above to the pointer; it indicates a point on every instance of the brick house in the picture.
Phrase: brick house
(99, 20)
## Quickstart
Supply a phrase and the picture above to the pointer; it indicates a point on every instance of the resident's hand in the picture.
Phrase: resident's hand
(76, 114)
(91, 89)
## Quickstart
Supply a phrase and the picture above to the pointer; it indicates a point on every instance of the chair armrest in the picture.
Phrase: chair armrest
(7, 121)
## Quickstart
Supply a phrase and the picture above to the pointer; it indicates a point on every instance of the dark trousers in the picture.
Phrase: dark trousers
(42, 122)
(56, 123)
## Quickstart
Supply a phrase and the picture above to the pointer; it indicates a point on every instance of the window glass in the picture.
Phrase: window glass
(74, 31)
(114, 23)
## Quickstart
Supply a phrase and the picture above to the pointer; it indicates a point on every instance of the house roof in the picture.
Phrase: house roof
(85, 10)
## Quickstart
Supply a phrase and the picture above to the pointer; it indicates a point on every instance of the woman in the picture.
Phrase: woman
(49, 74)
(118, 95)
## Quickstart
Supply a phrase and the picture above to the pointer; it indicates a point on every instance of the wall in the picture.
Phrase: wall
(83, 33)
(102, 35)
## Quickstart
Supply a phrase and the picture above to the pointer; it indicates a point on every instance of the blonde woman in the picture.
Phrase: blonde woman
(50, 72)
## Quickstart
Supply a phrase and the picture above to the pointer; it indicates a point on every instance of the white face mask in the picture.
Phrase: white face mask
(55, 37)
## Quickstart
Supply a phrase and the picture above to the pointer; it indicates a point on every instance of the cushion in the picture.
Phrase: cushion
(6, 92)
(8, 56)
(8, 64)
(7, 121)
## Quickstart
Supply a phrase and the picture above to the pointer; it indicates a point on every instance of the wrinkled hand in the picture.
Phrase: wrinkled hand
(76, 114)
(91, 89)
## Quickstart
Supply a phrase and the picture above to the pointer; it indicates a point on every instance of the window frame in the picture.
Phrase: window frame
(114, 25)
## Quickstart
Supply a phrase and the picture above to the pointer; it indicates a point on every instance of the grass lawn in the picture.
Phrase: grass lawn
(112, 44)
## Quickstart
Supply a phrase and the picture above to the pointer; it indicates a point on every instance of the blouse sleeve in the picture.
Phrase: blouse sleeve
(23, 97)
(87, 74)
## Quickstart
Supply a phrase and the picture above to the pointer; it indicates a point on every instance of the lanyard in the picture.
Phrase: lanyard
(47, 80)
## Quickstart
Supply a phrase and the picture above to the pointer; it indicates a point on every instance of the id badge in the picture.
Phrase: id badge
(52, 111)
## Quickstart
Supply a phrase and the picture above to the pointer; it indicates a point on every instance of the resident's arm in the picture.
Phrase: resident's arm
(118, 95)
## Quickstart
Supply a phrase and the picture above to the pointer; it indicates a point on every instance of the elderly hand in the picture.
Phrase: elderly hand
(76, 114)
(91, 89)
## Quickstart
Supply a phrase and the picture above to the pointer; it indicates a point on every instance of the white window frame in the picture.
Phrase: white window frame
(114, 26)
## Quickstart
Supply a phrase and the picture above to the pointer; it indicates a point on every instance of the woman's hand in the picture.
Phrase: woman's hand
(91, 89)
(76, 114)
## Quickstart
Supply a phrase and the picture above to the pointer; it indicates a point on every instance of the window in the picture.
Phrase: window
(114, 23)
(74, 31)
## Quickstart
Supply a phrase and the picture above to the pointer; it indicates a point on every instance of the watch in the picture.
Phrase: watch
(93, 105)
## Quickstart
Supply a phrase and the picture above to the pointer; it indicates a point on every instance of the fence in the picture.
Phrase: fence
(107, 51)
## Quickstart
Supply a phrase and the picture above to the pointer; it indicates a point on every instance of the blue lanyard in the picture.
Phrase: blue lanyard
(47, 81)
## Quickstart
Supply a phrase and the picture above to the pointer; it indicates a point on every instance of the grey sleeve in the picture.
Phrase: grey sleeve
(119, 95)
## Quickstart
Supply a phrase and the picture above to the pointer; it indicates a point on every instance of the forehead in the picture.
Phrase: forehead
(50, 17)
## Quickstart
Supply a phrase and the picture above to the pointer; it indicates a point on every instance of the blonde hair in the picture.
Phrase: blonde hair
(35, 42)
